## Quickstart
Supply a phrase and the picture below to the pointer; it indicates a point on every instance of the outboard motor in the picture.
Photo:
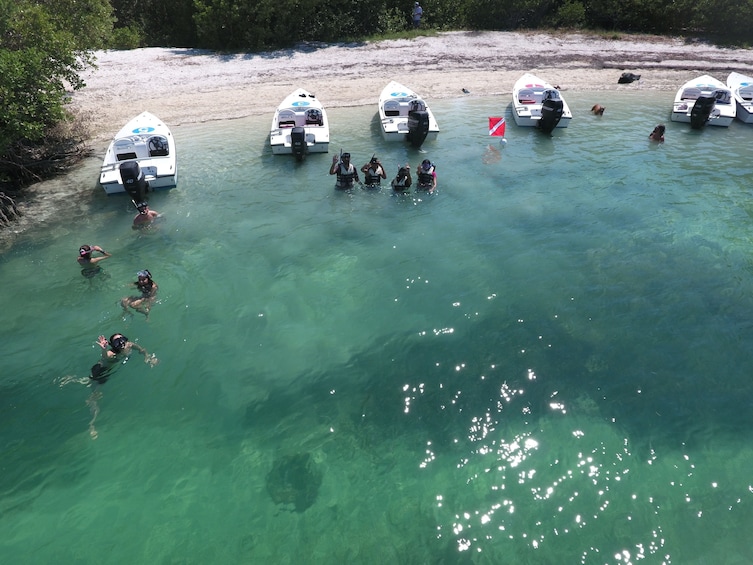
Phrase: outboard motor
(551, 113)
(133, 180)
(701, 111)
(418, 122)
(298, 142)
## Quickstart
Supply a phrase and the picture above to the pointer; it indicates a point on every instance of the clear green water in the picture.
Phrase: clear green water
(548, 361)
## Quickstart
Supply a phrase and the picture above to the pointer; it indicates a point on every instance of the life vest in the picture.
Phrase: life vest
(426, 178)
(345, 178)
(372, 176)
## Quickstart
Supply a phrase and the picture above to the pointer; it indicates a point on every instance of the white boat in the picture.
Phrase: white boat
(299, 126)
(704, 100)
(742, 91)
(404, 115)
(141, 157)
(536, 103)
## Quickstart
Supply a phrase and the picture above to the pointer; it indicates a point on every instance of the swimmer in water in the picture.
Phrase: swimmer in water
(148, 289)
(120, 348)
(89, 263)
(145, 217)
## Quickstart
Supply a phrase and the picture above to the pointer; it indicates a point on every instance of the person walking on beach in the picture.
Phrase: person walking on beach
(89, 263)
(345, 171)
(418, 11)
(145, 217)
(148, 289)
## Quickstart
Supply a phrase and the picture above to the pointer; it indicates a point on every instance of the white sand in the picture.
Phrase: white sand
(187, 86)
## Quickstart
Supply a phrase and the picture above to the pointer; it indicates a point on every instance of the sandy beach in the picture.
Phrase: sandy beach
(187, 86)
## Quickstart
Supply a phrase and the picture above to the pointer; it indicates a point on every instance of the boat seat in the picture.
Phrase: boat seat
(287, 124)
(690, 94)
(391, 108)
(126, 156)
(527, 97)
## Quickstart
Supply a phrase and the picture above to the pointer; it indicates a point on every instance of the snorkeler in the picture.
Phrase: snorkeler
(145, 216)
(373, 172)
(148, 289)
(119, 347)
(427, 176)
(119, 350)
(89, 263)
(403, 180)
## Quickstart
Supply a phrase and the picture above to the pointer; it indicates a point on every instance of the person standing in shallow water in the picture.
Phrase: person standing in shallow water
(657, 134)
(346, 173)
(89, 263)
(145, 217)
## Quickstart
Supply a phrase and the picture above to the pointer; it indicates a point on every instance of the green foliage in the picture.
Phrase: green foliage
(43, 49)
(570, 15)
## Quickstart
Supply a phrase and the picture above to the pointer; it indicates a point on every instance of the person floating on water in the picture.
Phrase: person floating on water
(427, 176)
(373, 172)
(403, 180)
(120, 348)
(345, 171)
(89, 263)
(148, 289)
(145, 217)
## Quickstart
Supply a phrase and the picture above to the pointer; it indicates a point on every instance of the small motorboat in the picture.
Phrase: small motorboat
(536, 103)
(299, 126)
(405, 116)
(742, 91)
(704, 100)
(141, 157)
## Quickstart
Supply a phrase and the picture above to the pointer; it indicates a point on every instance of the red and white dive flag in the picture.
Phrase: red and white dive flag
(497, 126)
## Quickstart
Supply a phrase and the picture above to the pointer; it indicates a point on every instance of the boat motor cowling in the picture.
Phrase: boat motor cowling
(298, 142)
(133, 180)
(551, 113)
(418, 127)
(701, 111)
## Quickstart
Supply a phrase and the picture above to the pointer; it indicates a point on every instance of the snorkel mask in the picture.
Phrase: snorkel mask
(118, 342)
(145, 274)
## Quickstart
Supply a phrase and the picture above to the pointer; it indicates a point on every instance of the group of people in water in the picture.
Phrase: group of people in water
(118, 348)
(373, 171)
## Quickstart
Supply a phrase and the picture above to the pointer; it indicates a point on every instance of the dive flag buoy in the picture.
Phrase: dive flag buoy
(497, 126)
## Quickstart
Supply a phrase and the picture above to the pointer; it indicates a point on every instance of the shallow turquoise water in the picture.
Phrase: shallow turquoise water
(546, 362)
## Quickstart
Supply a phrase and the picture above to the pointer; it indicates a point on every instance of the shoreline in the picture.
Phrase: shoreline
(184, 86)
(189, 86)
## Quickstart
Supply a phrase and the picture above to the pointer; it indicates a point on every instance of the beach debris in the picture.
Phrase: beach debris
(466, 91)
(294, 481)
(627, 78)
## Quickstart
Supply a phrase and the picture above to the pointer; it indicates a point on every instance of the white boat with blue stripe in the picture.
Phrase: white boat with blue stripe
(141, 157)
(299, 126)
(404, 115)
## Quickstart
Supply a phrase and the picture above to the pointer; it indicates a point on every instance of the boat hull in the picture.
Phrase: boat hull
(147, 141)
(742, 91)
(394, 109)
(300, 109)
(723, 112)
(528, 96)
